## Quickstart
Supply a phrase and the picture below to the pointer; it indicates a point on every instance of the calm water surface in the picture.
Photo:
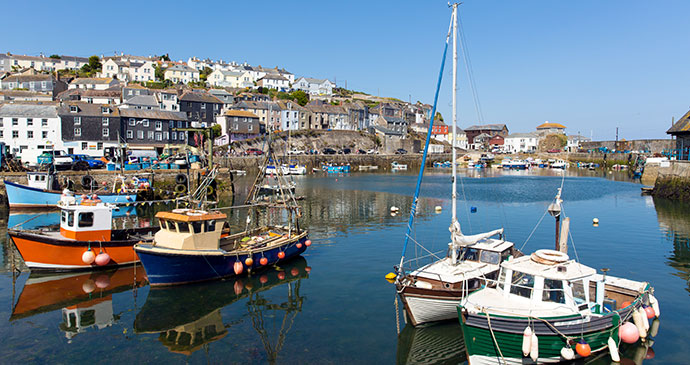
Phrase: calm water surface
(333, 304)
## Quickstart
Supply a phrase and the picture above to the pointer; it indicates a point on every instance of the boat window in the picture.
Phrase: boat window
(489, 257)
(164, 223)
(578, 292)
(470, 254)
(553, 291)
(502, 279)
(64, 216)
(197, 227)
(183, 227)
(86, 219)
(210, 226)
(522, 284)
(70, 218)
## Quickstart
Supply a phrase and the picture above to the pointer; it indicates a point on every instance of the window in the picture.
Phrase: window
(250, 127)
(105, 122)
(15, 121)
(197, 227)
(579, 295)
(132, 122)
(86, 219)
(73, 109)
(2, 134)
(489, 257)
(43, 84)
(210, 226)
(105, 110)
(179, 124)
(63, 216)
(130, 134)
(145, 122)
(182, 227)
(237, 127)
(172, 124)
(166, 135)
(106, 132)
(159, 136)
(29, 121)
(15, 134)
(159, 125)
(84, 146)
(99, 146)
(150, 135)
(77, 120)
(70, 218)
(174, 136)
(77, 132)
(182, 138)
(44, 122)
(553, 291)
(203, 106)
(29, 134)
(140, 134)
(522, 284)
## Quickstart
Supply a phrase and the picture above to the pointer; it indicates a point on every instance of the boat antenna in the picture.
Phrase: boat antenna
(426, 145)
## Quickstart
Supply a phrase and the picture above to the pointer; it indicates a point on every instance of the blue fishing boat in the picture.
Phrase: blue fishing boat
(41, 192)
(335, 169)
(194, 245)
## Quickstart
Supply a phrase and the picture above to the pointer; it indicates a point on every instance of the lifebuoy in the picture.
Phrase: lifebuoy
(181, 188)
(549, 257)
(181, 179)
(209, 190)
(86, 181)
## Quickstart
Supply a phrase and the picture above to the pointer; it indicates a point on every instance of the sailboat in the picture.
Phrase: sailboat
(547, 308)
(433, 291)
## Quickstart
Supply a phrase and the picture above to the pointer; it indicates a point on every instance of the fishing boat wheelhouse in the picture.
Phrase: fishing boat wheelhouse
(84, 226)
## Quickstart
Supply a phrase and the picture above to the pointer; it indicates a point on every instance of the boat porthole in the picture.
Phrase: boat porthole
(446, 285)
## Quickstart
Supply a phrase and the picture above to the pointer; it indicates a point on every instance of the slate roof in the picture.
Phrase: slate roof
(92, 80)
(182, 68)
(522, 135)
(681, 126)
(386, 131)
(88, 109)
(27, 78)
(145, 100)
(200, 97)
(152, 114)
(486, 127)
(28, 110)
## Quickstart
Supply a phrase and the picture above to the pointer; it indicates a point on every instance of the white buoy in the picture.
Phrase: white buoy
(438, 209)
(613, 350)
(526, 341)
(394, 208)
(567, 353)
(637, 319)
(595, 221)
(645, 321)
(655, 305)
(534, 348)
(654, 328)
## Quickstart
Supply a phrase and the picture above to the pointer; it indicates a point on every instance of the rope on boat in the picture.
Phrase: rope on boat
(397, 315)
(491, 329)
(26, 221)
(534, 229)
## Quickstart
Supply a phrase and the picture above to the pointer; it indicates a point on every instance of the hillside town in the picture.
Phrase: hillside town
(93, 105)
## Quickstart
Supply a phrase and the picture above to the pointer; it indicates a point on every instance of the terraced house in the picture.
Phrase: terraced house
(89, 128)
(154, 128)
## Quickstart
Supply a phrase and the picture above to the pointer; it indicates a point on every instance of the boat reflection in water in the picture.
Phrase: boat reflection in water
(433, 343)
(85, 298)
(188, 317)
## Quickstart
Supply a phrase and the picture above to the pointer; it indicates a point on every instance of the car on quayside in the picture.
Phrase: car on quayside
(345, 151)
(253, 151)
(372, 151)
(85, 162)
(328, 151)
(400, 151)
(296, 151)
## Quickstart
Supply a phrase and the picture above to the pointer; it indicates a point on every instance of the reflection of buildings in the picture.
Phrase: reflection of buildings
(674, 219)
(188, 318)
(84, 298)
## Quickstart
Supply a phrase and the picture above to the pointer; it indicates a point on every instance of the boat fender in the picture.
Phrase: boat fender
(88, 257)
(567, 353)
(637, 319)
(628, 333)
(263, 261)
(238, 267)
(654, 328)
(390, 276)
(613, 350)
(102, 259)
(583, 349)
(655, 305)
(249, 262)
(534, 347)
(649, 311)
(526, 341)
(307, 243)
(181, 179)
(180, 188)
(643, 316)
(281, 255)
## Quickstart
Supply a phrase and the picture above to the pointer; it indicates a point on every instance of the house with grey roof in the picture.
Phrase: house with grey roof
(96, 83)
(200, 107)
(89, 128)
(34, 82)
(274, 81)
(154, 128)
(521, 143)
(314, 86)
(30, 129)
(145, 102)
(181, 74)
(490, 129)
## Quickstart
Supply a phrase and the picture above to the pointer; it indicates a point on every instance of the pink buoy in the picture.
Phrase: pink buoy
(102, 259)
(281, 255)
(103, 281)
(238, 267)
(649, 311)
(628, 333)
(88, 286)
(299, 245)
(88, 257)
(83, 197)
(307, 243)
(94, 197)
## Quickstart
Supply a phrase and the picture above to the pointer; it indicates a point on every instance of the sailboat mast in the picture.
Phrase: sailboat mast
(455, 92)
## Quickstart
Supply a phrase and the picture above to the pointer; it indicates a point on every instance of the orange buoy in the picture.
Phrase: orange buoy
(294, 271)
(649, 311)
(625, 304)
(281, 255)
(102, 259)
(281, 275)
(650, 354)
(249, 262)
(299, 245)
(88, 286)
(628, 333)
(103, 281)
(263, 279)
(88, 257)
(582, 348)
(307, 243)
(238, 267)
(307, 269)
(263, 261)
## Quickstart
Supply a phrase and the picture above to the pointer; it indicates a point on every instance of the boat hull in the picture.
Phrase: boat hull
(48, 253)
(424, 308)
(21, 196)
(173, 267)
(508, 332)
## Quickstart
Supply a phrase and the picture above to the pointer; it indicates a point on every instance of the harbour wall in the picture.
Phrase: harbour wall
(672, 181)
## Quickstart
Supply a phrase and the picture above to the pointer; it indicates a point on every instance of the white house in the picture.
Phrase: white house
(521, 142)
(181, 74)
(314, 86)
(230, 79)
(575, 142)
(30, 129)
(274, 81)
(128, 70)
(95, 83)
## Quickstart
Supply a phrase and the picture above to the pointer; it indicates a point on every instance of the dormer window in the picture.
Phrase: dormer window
(73, 109)
(105, 110)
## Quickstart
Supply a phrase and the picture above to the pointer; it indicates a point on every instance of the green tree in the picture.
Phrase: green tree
(217, 130)
(95, 63)
(205, 72)
(300, 97)
(55, 56)
(164, 57)
(439, 117)
(159, 72)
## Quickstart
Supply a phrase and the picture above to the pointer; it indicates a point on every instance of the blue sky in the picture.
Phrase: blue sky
(591, 65)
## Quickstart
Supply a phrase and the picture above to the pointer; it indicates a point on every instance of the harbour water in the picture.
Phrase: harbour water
(333, 305)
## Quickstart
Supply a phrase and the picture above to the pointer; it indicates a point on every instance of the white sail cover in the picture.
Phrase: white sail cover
(460, 239)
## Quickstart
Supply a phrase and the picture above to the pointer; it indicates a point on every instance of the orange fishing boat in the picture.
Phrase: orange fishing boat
(85, 240)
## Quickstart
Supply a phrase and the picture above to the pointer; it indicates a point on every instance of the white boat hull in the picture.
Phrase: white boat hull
(423, 309)
(489, 360)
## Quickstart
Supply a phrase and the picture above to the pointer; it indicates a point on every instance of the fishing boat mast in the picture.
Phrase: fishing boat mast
(455, 91)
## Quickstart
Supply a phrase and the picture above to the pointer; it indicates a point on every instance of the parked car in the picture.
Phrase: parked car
(328, 151)
(85, 162)
(253, 151)
(59, 159)
(295, 151)
(400, 151)
(361, 151)
(345, 151)
(372, 151)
